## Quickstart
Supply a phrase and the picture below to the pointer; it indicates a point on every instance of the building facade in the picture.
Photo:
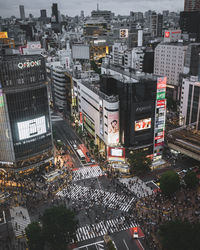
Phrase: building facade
(190, 102)
(169, 62)
(25, 127)
(192, 5)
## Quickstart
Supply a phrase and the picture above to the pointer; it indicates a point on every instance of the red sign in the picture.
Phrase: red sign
(162, 83)
(167, 34)
(159, 144)
(81, 117)
(159, 137)
(160, 103)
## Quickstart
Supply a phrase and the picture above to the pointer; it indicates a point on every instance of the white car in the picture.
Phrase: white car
(135, 234)
(75, 147)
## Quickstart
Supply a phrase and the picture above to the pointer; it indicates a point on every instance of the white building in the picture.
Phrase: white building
(190, 101)
(169, 61)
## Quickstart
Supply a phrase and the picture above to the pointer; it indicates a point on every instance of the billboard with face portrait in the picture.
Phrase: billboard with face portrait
(113, 127)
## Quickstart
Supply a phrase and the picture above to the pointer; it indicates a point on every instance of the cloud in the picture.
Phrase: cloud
(72, 8)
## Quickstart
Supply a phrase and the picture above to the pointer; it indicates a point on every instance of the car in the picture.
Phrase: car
(88, 154)
(92, 160)
(75, 147)
(135, 233)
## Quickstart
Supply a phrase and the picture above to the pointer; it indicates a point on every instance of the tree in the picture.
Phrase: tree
(169, 182)
(59, 226)
(180, 235)
(191, 179)
(34, 236)
(95, 67)
(139, 163)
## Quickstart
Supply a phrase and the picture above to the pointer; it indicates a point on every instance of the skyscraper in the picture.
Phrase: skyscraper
(22, 12)
(55, 12)
(43, 13)
(192, 5)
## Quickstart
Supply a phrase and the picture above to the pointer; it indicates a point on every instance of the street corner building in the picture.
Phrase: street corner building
(25, 126)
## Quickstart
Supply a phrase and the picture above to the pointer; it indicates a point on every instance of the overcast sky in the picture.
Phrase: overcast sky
(73, 7)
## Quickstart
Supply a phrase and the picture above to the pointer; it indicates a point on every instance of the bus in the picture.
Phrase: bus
(80, 154)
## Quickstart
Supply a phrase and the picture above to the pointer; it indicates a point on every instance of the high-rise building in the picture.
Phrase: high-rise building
(190, 24)
(43, 14)
(25, 126)
(156, 24)
(192, 5)
(22, 12)
(55, 14)
(190, 102)
(169, 61)
(106, 14)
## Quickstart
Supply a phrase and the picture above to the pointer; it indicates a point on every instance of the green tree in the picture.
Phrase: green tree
(139, 163)
(180, 235)
(191, 179)
(34, 236)
(59, 226)
(169, 183)
(95, 67)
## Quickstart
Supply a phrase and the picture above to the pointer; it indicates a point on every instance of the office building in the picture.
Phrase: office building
(43, 14)
(106, 14)
(156, 24)
(142, 107)
(190, 24)
(192, 60)
(22, 12)
(192, 5)
(55, 18)
(25, 127)
(169, 61)
(190, 102)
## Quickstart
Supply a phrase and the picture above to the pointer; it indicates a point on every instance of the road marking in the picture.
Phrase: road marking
(86, 246)
(125, 244)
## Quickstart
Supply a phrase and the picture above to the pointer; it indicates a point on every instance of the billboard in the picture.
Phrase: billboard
(31, 128)
(143, 124)
(116, 154)
(3, 35)
(123, 33)
(162, 83)
(160, 95)
(113, 127)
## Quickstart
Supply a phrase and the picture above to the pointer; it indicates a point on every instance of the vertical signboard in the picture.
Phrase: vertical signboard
(1, 97)
(160, 112)
(113, 127)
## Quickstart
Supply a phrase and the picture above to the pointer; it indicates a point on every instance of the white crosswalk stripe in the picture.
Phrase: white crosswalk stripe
(55, 118)
(99, 229)
(97, 196)
(137, 186)
(87, 173)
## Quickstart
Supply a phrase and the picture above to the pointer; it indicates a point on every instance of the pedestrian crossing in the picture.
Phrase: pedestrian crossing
(137, 186)
(20, 220)
(97, 197)
(87, 173)
(56, 118)
(92, 231)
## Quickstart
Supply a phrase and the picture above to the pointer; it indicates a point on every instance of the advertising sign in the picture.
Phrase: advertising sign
(3, 35)
(81, 117)
(33, 45)
(160, 103)
(113, 127)
(160, 95)
(1, 97)
(31, 128)
(123, 33)
(143, 124)
(116, 154)
(162, 83)
(167, 34)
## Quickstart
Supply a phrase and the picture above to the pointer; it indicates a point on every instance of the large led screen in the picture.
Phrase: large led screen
(31, 128)
(143, 124)
(116, 152)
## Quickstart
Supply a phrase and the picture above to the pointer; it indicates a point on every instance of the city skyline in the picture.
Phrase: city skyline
(9, 8)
